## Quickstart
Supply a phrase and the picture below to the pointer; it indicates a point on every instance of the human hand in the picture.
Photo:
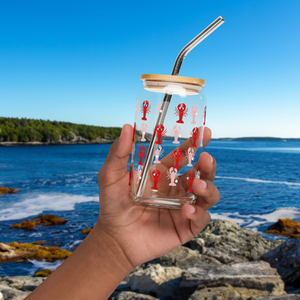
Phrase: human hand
(144, 233)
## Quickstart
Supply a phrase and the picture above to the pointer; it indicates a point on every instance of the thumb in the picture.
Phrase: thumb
(117, 158)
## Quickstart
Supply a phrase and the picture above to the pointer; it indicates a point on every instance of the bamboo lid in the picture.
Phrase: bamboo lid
(173, 78)
(172, 84)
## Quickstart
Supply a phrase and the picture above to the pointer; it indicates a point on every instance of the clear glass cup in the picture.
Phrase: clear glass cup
(178, 141)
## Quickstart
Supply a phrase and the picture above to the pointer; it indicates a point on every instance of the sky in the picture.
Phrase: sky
(81, 61)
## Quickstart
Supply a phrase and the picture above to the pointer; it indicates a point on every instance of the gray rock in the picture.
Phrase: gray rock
(285, 297)
(12, 294)
(24, 283)
(286, 259)
(133, 296)
(156, 280)
(256, 275)
(184, 258)
(228, 243)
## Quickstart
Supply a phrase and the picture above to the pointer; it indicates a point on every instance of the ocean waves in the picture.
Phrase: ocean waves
(260, 222)
(296, 184)
(34, 204)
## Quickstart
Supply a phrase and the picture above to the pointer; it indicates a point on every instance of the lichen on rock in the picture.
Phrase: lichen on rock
(5, 190)
(43, 220)
(22, 252)
(286, 227)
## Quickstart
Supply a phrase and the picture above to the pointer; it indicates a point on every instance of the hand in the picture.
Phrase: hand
(144, 233)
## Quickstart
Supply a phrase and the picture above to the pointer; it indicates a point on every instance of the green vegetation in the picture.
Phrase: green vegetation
(31, 130)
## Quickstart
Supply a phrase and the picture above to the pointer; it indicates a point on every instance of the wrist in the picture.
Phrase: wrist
(109, 251)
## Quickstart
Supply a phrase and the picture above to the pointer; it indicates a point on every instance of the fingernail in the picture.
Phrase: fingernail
(204, 184)
(192, 209)
(212, 160)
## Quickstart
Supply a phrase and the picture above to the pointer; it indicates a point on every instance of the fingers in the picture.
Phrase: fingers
(168, 160)
(199, 217)
(207, 166)
(207, 192)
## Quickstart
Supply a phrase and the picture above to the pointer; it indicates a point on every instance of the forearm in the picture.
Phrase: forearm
(93, 271)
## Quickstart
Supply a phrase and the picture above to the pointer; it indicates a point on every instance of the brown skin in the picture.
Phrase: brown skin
(125, 234)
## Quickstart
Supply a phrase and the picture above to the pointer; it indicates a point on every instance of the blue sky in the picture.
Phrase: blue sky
(80, 61)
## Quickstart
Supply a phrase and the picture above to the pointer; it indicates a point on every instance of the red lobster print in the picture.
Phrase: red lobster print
(181, 111)
(191, 180)
(160, 132)
(194, 134)
(204, 114)
(145, 109)
(141, 154)
(134, 128)
(130, 174)
(155, 179)
(177, 158)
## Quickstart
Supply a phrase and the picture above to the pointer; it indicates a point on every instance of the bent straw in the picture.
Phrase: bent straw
(167, 98)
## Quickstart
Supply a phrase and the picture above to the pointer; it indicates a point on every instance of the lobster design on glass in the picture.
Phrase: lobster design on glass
(145, 109)
(155, 179)
(172, 175)
(191, 178)
(141, 155)
(204, 115)
(136, 108)
(176, 131)
(181, 111)
(158, 153)
(189, 154)
(194, 113)
(160, 132)
(177, 158)
(194, 134)
(144, 128)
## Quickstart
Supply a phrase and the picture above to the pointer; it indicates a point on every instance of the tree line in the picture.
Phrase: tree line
(32, 130)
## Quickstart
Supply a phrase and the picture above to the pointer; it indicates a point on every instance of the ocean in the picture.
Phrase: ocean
(259, 182)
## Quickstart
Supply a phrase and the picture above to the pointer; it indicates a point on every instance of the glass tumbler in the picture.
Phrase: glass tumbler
(166, 181)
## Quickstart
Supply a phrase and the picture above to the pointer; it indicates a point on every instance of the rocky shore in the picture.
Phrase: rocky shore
(224, 261)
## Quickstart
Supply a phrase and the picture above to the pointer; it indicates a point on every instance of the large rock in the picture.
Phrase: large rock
(257, 275)
(156, 280)
(133, 296)
(286, 259)
(228, 243)
(184, 258)
(23, 283)
(286, 227)
(12, 294)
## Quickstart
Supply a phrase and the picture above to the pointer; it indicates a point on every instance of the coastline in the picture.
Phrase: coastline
(58, 143)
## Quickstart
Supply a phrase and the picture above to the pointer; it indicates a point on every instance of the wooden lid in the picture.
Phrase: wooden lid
(173, 78)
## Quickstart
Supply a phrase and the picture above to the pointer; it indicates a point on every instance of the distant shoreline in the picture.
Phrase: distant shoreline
(106, 141)
(16, 144)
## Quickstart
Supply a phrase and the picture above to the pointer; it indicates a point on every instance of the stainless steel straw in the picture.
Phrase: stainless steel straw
(167, 98)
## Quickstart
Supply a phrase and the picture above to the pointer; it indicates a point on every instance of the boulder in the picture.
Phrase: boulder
(228, 243)
(285, 227)
(184, 258)
(23, 283)
(256, 275)
(286, 259)
(8, 293)
(285, 297)
(156, 280)
(133, 296)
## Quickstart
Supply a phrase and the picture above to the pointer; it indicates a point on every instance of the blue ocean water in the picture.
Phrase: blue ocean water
(259, 182)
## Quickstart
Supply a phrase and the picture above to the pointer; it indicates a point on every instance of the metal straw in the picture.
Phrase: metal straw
(167, 98)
